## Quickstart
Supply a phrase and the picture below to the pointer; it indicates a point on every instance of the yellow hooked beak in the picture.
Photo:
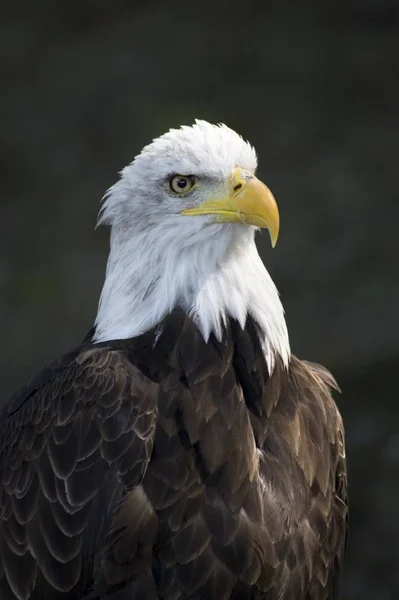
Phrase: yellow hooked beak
(248, 201)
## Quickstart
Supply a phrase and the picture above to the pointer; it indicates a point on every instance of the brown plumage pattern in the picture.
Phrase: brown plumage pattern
(167, 467)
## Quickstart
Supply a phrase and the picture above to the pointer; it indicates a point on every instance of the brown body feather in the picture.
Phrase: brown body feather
(165, 467)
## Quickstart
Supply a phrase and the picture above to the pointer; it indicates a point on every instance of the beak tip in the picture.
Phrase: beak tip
(273, 238)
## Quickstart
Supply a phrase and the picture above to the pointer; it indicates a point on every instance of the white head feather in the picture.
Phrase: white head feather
(160, 259)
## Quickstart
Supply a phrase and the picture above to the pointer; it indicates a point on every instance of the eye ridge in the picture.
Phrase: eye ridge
(181, 184)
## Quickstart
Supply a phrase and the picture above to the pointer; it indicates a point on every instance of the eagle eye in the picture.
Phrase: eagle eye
(182, 184)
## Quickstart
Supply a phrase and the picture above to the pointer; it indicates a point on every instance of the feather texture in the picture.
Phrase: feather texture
(169, 467)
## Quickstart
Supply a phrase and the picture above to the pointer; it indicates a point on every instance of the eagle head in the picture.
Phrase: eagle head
(192, 177)
(183, 218)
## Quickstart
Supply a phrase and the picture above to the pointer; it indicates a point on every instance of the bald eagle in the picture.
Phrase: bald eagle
(180, 451)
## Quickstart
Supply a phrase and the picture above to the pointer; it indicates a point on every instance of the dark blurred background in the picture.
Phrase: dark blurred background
(315, 87)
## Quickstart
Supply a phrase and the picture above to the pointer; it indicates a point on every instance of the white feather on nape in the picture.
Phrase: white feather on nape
(160, 260)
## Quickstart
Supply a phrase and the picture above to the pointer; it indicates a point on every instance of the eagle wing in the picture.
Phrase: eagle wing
(74, 444)
(328, 519)
(304, 451)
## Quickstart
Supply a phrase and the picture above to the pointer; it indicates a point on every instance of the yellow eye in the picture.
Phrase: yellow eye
(181, 184)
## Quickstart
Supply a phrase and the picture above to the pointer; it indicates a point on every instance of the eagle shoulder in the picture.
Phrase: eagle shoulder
(74, 445)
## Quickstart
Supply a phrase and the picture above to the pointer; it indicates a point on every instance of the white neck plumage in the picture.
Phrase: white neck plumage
(210, 281)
